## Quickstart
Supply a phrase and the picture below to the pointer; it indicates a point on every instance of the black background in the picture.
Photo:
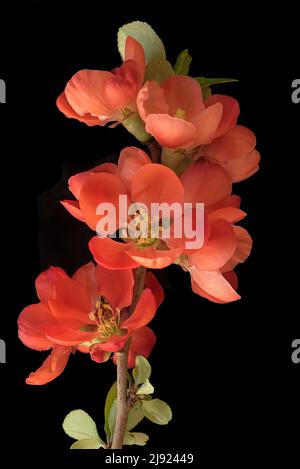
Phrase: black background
(225, 370)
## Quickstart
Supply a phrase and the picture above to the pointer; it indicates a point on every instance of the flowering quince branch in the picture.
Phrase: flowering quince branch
(122, 367)
(122, 405)
(179, 209)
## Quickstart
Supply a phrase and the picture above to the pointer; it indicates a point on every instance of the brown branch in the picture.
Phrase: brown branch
(139, 283)
(122, 368)
(155, 150)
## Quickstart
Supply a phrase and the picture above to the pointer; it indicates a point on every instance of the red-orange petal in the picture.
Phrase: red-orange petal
(230, 214)
(68, 337)
(244, 167)
(52, 367)
(135, 51)
(114, 343)
(205, 182)
(219, 248)
(184, 93)
(130, 161)
(45, 282)
(115, 285)
(144, 312)
(142, 342)
(212, 285)
(232, 278)
(171, 132)
(98, 355)
(85, 93)
(31, 326)
(72, 206)
(236, 143)
(152, 258)
(151, 100)
(156, 288)
(76, 182)
(71, 305)
(206, 124)
(64, 106)
(231, 110)
(101, 188)
(121, 89)
(155, 183)
(86, 276)
(228, 201)
(111, 254)
(242, 251)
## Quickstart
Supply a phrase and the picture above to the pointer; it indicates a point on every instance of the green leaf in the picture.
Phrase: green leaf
(146, 388)
(142, 371)
(157, 411)
(203, 82)
(159, 70)
(135, 416)
(88, 443)
(110, 398)
(183, 62)
(80, 426)
(139, 439)
(206, 92)
(206, 84)
(146, 36)
(111, 420)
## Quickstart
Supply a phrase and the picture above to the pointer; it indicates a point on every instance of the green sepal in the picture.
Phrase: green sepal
(183, 62)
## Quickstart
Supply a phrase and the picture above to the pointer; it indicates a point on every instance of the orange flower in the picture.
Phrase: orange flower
(98, 97)
(175, 114)
(235, 151)
(142, 182)
(226, 245)
(85, 310)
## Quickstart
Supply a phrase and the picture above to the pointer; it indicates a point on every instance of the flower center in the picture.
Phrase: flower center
(180, 113)
(142, 230)
(106, 318)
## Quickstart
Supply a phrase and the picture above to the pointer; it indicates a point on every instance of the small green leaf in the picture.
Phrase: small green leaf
(111, 420)
(142, 371)
(157, 411)
(146, 388)
(88, 443)
(135, 416)
(147, 397)
(146, 36)
(129, 379)
(206, 92)
(80, 426)
(159, 70)
(110, 398)
(204, 82)
(139, 439)
(183, 62)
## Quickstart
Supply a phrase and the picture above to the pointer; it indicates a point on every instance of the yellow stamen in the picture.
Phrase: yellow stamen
(106, 317)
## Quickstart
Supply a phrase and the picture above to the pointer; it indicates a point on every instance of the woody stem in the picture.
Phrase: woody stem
(122, 368)
(154, 150)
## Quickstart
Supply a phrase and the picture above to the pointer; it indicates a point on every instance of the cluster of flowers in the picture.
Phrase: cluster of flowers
(203, 151)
